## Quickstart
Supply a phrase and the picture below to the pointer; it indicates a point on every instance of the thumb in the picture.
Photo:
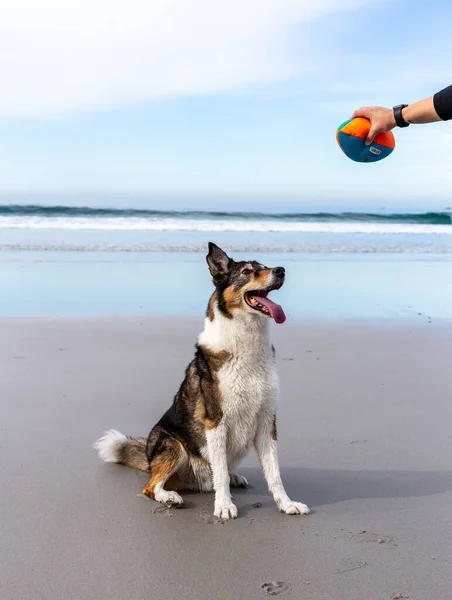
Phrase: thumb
(371, 135)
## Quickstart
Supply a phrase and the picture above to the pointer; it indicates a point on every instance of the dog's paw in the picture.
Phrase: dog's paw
(238, 481)
(171, 499)
(174, 500)
(294, 508)
(226, 511)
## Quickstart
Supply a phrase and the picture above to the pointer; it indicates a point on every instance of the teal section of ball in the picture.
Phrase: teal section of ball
(356, 149)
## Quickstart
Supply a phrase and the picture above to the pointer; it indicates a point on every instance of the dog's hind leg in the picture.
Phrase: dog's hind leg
(164, 467)
(238, 481)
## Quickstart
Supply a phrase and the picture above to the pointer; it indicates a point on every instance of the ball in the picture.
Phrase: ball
(351, 136)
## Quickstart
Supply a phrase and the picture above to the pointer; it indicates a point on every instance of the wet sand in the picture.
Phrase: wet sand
(364, 427)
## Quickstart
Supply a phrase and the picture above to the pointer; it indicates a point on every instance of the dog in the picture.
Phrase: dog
(226, 403)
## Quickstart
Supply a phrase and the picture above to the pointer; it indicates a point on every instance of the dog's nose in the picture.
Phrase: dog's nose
(279, 271)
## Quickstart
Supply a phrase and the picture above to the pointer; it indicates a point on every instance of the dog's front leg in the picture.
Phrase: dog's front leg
(267, 451)
(216, 445)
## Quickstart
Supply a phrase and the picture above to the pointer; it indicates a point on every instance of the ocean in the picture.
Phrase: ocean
(74, 228)
(75, 260)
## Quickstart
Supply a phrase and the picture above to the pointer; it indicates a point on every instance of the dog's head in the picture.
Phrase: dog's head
(243, 287)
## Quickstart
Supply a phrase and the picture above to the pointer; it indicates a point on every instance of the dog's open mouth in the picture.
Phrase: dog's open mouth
(258, 300)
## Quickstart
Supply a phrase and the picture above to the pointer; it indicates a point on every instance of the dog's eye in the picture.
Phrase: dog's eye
(246, 271)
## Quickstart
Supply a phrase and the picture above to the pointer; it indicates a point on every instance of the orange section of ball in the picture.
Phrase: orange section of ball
(360, 127)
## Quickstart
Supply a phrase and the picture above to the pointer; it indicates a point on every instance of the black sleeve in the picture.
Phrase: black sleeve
(442, 101)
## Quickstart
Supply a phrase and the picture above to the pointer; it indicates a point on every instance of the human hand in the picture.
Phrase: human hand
(382, 119)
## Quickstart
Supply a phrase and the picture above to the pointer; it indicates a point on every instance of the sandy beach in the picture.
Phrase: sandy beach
(364, 427)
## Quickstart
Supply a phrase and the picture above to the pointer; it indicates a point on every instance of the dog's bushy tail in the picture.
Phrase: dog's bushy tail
(116, 447)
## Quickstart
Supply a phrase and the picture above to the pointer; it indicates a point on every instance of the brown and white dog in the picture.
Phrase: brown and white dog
(226, 402)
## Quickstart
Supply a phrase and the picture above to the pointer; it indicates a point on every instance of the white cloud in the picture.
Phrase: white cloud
(61, 56)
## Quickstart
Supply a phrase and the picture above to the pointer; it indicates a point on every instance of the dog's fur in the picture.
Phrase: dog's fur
(226, 402)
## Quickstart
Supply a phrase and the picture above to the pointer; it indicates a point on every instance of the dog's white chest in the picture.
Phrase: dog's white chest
(248, 384)
(248, 381)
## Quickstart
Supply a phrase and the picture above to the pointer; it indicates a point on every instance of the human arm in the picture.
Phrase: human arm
(435, 108)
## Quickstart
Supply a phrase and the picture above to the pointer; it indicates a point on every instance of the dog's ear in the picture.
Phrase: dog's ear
(218, 261)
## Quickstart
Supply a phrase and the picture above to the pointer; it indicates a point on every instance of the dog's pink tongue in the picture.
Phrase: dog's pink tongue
(274, 309)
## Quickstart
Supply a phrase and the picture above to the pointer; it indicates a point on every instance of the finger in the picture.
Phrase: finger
(364, 111)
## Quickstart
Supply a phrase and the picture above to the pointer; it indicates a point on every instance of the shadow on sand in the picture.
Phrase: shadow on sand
(318, 487)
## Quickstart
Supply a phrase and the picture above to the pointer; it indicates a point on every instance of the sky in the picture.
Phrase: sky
(173, 99)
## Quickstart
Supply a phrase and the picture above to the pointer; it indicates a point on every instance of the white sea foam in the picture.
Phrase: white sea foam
(216, 225)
